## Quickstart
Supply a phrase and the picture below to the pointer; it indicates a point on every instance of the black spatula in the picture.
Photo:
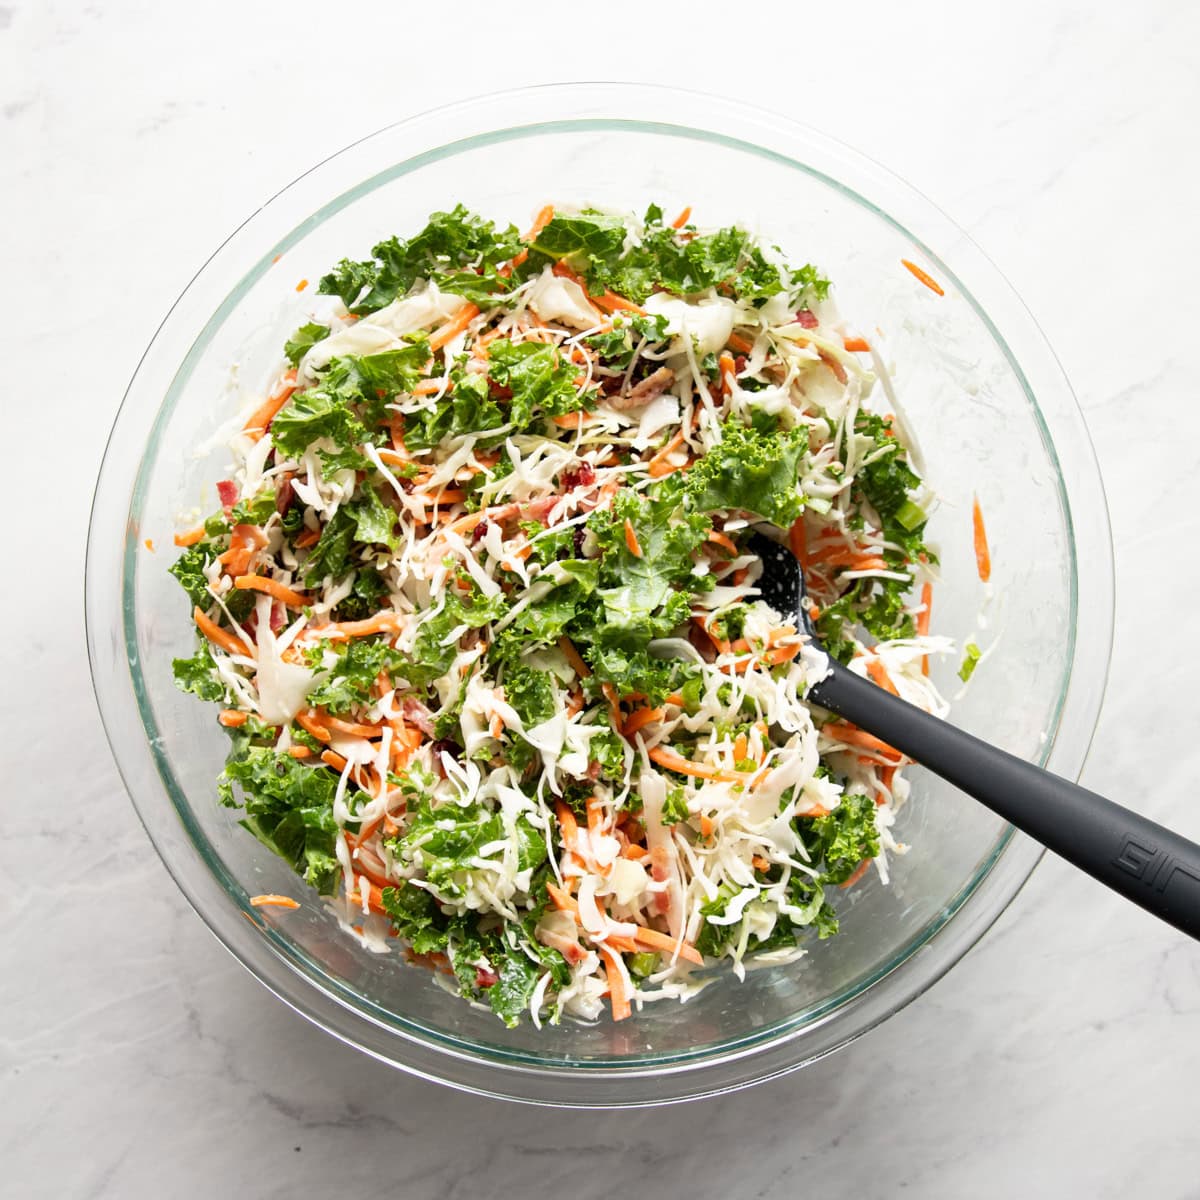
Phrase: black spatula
(1150, 865)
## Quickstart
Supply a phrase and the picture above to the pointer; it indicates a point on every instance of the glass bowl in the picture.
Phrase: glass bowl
(994, 415)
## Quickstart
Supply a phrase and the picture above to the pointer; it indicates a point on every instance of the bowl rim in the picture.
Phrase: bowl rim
(735, 1063)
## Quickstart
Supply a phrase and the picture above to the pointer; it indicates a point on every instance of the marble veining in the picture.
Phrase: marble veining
(137, 1059)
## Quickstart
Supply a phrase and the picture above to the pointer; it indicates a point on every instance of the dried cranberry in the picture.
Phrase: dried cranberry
(227, 490)
(807, 319)
(739, 364)
(285, 495)
(480, 531)
(485, 977)
(583, 475)
(577, 540)
(445, 746)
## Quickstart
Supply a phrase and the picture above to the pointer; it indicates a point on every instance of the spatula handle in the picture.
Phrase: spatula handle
(1145, 863)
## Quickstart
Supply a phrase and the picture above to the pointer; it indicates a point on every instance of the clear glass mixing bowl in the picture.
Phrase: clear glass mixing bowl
(994, 414)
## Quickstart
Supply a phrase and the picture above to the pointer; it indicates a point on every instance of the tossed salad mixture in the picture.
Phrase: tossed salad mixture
(479, 612)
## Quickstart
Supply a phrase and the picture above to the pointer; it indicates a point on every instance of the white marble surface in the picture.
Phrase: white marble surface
(1060, 1058)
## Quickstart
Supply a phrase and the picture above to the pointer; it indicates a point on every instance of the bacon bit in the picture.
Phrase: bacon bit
(839, 372)
(927, 279)
(227, 492)
(983, 557)
(270, 900)
(807, 318)
(231, 718)
(635, 547)
(681, 220)
(302, 285)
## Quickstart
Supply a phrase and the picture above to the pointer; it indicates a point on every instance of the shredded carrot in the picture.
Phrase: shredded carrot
(759, 863)
(563, 901)
(923, 620)
(798, 540)
(453, 328)
(270, 900)
(859, 872)
(643, 716)
(262, 416)
(567, 647)
(307, 720)
(310, 537)
(190, 537)
(218, 636)
(681, 220)
(743, 345)
(886, 777)
(618, 995)
(381, 622)
(496, 729)
(727, 369)
(331, 758)
(740, 747)
(427, 387)
(573, 420)
(878, 672)
(672, 761)
(706, 825)
(231, 718)
(350, 728)
(302, 285)
(723, 540)
(653, 940)
(855, 345)
(260, 583)
(777, 655)
(658, 464)
(631, 540)
(300, 752)
(983, 558)
(843, 731)
(927, 279)
(149, 544)
(445, 496)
